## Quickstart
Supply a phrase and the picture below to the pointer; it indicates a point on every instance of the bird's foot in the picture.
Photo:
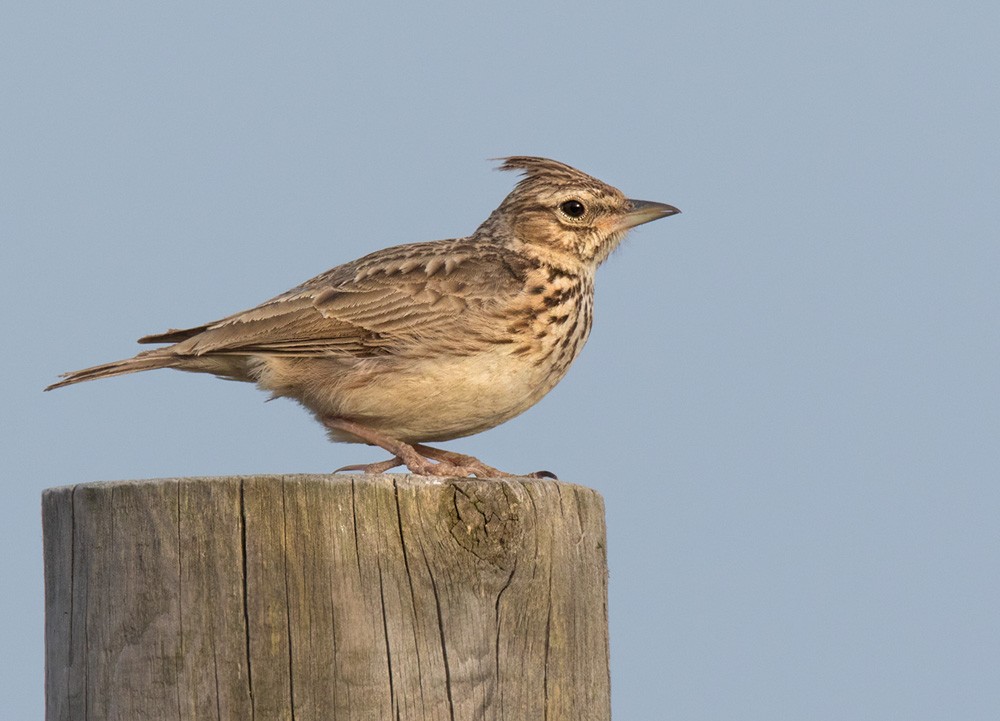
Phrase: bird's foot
(479, 469)
(444, 469)
(427, 467)
(460, 461)
(420, 466)
(418, 458)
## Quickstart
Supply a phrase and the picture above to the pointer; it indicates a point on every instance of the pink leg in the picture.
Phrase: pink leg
(482, 470)
(403, 452)
(460, 459)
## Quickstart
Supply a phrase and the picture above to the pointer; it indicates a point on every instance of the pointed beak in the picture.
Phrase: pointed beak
(643, 211)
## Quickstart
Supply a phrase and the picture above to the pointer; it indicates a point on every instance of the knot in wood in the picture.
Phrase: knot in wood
(486, 520)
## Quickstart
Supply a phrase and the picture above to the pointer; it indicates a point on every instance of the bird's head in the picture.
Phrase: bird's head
(559, 212)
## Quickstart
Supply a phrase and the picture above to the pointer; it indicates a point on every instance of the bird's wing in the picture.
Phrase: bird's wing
(371, 306)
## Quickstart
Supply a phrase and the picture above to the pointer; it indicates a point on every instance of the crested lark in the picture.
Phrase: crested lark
(429, 341)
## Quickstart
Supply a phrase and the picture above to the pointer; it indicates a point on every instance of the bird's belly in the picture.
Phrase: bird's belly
(432, 399)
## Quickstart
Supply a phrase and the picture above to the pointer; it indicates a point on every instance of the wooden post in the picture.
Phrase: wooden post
(325, 597)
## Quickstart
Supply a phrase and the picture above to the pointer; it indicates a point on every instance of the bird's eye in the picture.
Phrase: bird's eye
(572, 208)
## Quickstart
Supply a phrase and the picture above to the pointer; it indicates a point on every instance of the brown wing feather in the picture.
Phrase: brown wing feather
(367, 307)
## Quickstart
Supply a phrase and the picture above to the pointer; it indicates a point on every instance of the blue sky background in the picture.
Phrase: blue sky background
(790, 399)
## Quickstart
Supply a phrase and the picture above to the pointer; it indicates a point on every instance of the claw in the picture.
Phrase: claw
(544, 474)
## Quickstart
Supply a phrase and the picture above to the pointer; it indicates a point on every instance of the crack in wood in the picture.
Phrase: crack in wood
(398, 597)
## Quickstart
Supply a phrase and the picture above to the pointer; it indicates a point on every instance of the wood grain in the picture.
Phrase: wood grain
(326, 597)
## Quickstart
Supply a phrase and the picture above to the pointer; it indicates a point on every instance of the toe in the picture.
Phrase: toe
(373, 468)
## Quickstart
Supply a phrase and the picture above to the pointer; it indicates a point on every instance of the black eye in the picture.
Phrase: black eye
(572, 208)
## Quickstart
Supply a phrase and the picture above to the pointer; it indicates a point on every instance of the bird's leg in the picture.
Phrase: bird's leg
(403, 452)
(418, 457)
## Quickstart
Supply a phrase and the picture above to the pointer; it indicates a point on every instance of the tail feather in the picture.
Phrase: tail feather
(174, 335)
(142, 362)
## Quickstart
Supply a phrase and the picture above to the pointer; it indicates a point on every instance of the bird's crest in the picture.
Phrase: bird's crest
(544, 171)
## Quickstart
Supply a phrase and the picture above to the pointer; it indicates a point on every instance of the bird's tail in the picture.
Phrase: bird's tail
(142, 362)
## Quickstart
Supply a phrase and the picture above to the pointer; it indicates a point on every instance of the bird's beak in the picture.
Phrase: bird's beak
(643, 211)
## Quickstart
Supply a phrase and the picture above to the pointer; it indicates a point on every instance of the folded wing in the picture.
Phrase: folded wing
(371, 306)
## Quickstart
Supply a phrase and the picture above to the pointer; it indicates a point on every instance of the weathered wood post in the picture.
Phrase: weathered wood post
(326, 597)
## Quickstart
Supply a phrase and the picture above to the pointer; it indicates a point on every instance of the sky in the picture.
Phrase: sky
(790, 399)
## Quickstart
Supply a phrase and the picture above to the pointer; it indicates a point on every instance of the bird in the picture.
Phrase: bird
(428, 341)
